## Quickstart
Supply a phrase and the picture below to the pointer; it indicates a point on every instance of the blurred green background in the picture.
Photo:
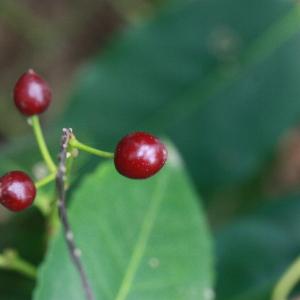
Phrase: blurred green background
(218, 78)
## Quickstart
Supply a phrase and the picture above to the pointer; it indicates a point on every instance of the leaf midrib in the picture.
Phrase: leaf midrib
(142, 240)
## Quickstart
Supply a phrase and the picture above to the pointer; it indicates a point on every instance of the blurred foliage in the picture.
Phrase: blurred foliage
(224, 108)
(254, 251)
(54, 37)
(24, 232)
(219, 78)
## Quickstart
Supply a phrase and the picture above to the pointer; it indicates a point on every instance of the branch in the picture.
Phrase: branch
(75, 253)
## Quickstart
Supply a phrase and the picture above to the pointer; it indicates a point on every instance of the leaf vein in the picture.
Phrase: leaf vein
(143, 237)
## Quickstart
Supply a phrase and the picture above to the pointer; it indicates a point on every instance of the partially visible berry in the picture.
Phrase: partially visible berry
(17, 190)
(32, 94)
(140, 155)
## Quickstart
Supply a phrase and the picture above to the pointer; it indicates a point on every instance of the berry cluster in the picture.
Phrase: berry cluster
(138, 155)
(32, 96)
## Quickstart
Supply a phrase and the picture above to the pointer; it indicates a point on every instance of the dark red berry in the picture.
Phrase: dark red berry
(17, 191)
(32, 95)
(140, 155)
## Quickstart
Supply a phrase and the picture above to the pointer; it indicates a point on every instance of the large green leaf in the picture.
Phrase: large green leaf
(219, 77)
(254, 252)
(140, 240)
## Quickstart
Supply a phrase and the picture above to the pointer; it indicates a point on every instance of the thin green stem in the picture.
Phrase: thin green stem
(80, 146)
(53, 223)
(42, 143)
(44, 181)
(10, 260)
(287, 282)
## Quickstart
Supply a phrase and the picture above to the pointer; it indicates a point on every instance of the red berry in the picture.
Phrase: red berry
(140, 155)
(32, 94)
(17, 191)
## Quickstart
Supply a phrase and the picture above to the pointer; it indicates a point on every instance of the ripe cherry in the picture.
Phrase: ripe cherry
(17, 190)
(32, 95)
(140, 155)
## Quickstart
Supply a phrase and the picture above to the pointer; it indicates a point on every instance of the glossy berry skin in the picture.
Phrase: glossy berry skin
(32, 95)
(17, 191)
(140, 155)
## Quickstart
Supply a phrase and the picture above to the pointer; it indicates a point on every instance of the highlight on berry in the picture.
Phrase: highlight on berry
(32, 94)
(140, 155)
(17, 191)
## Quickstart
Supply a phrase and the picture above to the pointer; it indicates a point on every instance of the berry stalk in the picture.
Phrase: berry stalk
(75, 253)
(80, 146)
(44, 181)
(42, 143)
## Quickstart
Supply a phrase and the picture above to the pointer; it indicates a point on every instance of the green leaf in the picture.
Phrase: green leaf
(140, 239)
(255, 251)
(214, 75)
